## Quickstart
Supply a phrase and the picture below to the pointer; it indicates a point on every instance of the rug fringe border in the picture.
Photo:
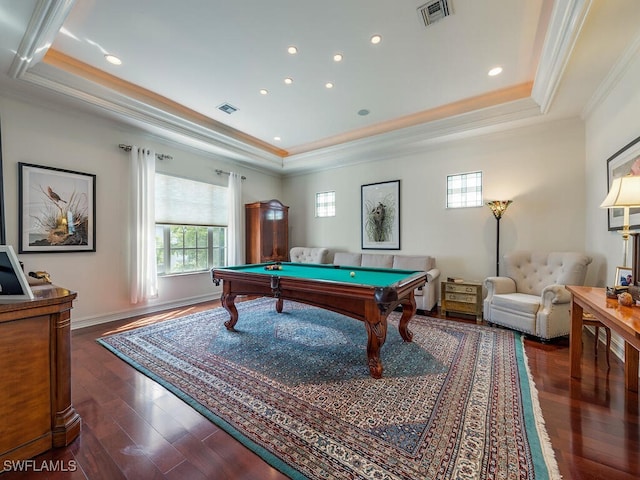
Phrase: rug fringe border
(544, 440)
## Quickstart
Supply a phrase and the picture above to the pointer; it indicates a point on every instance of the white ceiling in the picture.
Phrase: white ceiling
(181, 60)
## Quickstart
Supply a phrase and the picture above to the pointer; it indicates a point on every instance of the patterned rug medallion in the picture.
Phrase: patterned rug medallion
(456, 403)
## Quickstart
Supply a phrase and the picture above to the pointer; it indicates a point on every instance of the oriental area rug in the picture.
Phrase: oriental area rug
(456, 403)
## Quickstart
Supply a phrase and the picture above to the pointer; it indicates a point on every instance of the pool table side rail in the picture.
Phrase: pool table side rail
(345, 298)
(410, 275)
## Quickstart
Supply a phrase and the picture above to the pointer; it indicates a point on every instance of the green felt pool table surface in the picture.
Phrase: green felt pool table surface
(373, 277)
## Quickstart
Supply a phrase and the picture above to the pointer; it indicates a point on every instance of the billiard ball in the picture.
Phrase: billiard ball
(353, 274)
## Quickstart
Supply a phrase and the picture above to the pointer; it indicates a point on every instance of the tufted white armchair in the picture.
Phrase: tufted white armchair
(309, 254)
(531, 297)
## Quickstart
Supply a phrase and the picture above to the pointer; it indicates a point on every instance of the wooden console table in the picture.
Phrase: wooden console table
(35, 374)
(625, 321)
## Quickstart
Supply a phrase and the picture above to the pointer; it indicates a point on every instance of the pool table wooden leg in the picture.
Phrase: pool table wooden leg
(279, 304)
(377, 334)
(408, 311)
(228, 302)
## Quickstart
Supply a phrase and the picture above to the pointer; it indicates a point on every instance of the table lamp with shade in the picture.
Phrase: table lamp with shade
(624, 193)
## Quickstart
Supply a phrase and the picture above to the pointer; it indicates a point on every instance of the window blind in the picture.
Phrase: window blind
(180, 201)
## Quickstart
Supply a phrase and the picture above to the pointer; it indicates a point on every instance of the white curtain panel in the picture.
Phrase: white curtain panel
(143, 271)
(235, 248)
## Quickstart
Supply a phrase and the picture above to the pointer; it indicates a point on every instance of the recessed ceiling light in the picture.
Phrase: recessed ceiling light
(292, 50)
(277, 139)
(328, 85)
(264, 91)
(337, 57)
(495, 71)
(113, 59)
(288, 80)
(376, 39)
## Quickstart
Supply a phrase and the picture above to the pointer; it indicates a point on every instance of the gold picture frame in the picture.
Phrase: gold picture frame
(624, 277)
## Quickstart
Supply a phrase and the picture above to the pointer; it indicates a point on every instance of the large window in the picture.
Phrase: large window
(464, 190)
(189, 248)
(191, 225)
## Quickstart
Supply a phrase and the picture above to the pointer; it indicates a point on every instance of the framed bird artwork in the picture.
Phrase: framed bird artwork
(57, 210)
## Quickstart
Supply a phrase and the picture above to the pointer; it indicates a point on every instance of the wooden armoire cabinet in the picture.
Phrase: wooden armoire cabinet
(267, 232)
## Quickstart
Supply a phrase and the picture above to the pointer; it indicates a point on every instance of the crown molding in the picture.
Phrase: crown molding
(415, 138)
(45, 22)
(612, 78)
(567, 19)
(130, 109)
(496, 97)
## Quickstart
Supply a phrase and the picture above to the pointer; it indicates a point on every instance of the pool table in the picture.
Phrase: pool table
(366, 294)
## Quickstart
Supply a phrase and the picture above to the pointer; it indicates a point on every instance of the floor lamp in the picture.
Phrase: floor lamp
(624, 193)
(498, 207)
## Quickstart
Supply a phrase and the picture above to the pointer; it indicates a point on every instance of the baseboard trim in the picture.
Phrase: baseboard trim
(77, 323)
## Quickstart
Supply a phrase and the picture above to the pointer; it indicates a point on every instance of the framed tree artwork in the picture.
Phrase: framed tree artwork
(57, 210)
(380, 215)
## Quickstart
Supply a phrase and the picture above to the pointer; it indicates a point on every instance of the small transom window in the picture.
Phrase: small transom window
(326, 204)
(464, 190)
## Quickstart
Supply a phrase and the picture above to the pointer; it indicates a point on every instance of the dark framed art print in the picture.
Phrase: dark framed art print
(57, 210)
(380, 215)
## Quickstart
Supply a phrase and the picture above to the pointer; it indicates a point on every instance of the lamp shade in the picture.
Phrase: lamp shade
(624, 192)
(498, 207)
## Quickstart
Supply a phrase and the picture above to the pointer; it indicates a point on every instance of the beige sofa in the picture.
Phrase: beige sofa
(426, 297)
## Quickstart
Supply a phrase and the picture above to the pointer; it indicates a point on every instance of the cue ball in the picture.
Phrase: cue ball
(353, 274)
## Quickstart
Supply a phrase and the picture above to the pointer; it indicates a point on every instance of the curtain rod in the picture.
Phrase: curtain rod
(159, 156)
(222, 172)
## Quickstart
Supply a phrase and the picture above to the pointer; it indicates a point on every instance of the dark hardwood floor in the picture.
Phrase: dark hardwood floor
(133, 428)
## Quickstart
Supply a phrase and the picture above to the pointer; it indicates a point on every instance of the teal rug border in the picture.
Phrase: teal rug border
(541, 450)
(267, 456)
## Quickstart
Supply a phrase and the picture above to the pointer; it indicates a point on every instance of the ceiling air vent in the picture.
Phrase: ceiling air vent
(433, 11)
(227, 108)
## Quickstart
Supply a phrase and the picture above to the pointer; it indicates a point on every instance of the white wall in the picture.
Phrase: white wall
(609, 126)
(540, 168)
(81, 142)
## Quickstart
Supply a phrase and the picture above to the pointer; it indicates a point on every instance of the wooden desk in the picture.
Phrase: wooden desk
(35, 374)
(625, 321)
